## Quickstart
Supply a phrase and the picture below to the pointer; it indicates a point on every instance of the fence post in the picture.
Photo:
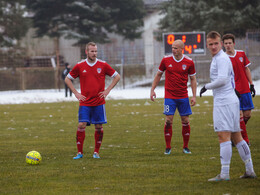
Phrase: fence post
(23, 78)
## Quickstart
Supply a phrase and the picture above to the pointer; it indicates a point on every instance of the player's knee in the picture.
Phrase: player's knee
(236, 137)
(247, 113)
(168, 122)
(224, 137)
(241, 114)
(98, 127)
(82, 125)
(246, 119)
(185, 121)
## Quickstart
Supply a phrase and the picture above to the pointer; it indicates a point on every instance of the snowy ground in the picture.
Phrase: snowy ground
(41, 96)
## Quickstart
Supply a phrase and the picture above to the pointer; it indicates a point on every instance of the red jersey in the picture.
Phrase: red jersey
(176, 75)
(92, 80)
(239, 62)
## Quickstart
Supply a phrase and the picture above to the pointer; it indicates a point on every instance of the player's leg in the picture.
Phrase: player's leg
(168, 133)
(226, 120)
(225, 155)
(98, 139)
(246, 105)
(245, 154)
(98, 117)
(169, 110)
(243, 127)
(66, 90)
(185, 133)
(80, 137)
(84, 119)
(185, 110)
(246, 115)
(70, 92)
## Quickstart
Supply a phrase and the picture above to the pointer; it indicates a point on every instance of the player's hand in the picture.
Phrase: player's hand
(252, 90)
(80, 97)
(103, 94)
(203, 90)
(193, 101)
(238, 94)
(152, 95)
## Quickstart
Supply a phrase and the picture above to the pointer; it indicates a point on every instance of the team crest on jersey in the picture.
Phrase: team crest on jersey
(241, 59)
(184, 66)
(99, 70)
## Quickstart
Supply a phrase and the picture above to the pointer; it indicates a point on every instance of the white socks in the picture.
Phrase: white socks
(225, 158)
(245, 154)
(226, 154)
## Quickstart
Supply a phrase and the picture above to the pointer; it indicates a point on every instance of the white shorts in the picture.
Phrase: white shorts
(227, 117)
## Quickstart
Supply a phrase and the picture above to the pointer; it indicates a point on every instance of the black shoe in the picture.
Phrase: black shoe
(186, 151)
(167, 151)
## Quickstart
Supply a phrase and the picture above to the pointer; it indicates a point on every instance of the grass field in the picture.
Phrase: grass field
(132, 159)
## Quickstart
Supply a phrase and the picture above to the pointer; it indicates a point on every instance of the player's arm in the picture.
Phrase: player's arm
(248, 75)
(156, 81)
(193, 83)
(115, 80)
(72, 88)
(221, 80)
(249, 78)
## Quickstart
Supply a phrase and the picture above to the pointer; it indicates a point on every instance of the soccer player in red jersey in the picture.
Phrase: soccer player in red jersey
(178, 68)
(91, 73)
(243, 81)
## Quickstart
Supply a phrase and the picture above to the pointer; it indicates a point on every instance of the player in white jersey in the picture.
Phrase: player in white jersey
(226, 109)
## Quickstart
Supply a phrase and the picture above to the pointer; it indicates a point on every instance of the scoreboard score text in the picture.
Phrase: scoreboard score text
(194, 42)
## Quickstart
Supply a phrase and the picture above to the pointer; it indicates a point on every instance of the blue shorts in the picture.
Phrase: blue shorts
(183, 106)
(246, 102)
(92, 114)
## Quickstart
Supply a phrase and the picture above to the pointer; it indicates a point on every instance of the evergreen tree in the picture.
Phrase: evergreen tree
(87, 20)
(203, 15)
(13, 24)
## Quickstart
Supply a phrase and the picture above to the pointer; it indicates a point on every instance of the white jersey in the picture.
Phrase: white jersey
(222, 80)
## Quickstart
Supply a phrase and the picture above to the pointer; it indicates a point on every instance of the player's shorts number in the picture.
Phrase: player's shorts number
(166, 108)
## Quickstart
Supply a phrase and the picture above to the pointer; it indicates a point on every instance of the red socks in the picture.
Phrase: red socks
(80, 139)
(186, 134)
(98, 139)
(168, 134)
(243, 127)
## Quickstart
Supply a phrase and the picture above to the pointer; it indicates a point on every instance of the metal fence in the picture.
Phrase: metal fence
(20, 72)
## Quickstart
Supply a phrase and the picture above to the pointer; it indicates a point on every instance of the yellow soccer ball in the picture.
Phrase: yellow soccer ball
(33, 158)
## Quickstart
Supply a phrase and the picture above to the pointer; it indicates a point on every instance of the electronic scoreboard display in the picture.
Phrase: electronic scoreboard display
(194, 42)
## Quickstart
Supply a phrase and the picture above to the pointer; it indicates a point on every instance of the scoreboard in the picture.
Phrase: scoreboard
(194, 42)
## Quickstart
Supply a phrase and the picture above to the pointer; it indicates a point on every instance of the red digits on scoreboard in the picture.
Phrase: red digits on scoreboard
(183, 38)
(193, 42)
(188, 48)
(198, 38)
(170, 39)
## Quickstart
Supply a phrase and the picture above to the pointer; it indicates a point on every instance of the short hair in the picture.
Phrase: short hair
(180, 43)
(213, 35)
(90, 43)
(228, 36)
